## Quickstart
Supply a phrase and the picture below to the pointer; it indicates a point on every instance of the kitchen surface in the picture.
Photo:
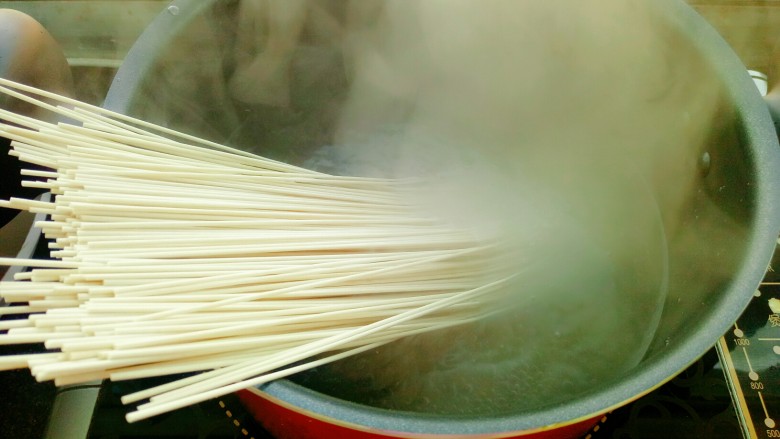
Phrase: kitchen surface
(733, 391)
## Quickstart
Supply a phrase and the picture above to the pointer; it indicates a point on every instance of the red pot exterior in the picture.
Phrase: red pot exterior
(285, 422)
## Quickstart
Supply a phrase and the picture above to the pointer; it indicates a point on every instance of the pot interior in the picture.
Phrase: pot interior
(627, 166)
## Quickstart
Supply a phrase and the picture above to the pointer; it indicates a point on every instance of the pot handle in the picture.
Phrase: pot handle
(29, 55)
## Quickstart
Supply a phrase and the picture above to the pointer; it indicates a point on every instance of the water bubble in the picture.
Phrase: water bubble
(173, 10)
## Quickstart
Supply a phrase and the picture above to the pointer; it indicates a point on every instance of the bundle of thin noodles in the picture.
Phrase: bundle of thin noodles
(171, 255)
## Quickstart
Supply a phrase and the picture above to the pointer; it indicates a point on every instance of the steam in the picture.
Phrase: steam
(572, 129)
(531, 117)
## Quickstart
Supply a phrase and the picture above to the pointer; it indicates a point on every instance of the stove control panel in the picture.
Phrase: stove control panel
(750, 357)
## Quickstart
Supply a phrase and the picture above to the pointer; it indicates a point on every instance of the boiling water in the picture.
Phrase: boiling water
(583, 311)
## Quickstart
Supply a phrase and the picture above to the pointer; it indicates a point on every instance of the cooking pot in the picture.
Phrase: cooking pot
(714, 205)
